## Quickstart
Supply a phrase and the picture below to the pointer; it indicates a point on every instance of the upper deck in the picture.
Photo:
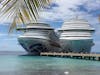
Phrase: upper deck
(32, 26)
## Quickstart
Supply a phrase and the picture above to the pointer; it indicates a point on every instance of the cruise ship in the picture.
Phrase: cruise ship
(38, 37)
(76, 36)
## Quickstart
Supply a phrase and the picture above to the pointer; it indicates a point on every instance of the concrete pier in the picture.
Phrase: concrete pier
(90, 56)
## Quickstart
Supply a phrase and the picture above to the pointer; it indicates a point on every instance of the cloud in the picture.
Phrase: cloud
(8, 35)
(1, 34)
(69, 8)
(62, 11)
(5, 23)
(10, 39)
(92, 5)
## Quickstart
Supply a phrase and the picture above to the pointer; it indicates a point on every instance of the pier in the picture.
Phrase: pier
(91, 56)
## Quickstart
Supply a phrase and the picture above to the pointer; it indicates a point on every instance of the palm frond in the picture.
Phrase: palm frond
(13, 25)
(21, 11)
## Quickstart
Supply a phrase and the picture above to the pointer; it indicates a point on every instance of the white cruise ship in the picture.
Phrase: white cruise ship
(75, 36)
(38, 37)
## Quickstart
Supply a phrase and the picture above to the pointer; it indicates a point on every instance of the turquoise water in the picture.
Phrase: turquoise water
(36, 65)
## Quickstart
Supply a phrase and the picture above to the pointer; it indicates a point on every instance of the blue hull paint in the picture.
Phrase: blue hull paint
(80, 46)
(34, 46)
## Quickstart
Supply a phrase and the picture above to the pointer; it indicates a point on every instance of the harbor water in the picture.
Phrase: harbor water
(39, 65)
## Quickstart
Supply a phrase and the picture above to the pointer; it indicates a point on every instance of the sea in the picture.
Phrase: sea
(17, 63)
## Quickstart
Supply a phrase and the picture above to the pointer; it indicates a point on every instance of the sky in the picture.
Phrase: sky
(58, 12)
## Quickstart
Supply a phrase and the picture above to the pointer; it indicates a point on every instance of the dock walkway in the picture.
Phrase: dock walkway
(88, 56)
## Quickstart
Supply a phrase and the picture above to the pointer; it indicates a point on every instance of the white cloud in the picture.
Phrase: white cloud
(92, 5)
(10, 39)
(8, 35)
(1, 34)
(63, 11)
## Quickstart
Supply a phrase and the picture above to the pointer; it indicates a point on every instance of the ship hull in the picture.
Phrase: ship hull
(34, 46)
(77, 46)
(38, 37)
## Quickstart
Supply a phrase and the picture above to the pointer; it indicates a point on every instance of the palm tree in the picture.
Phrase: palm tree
(21, 11)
